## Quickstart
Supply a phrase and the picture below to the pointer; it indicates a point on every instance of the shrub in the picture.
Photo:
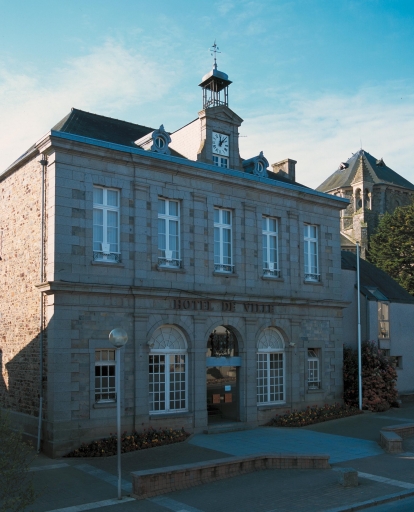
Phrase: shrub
(130, 442)
(313, 414)
(379, 379)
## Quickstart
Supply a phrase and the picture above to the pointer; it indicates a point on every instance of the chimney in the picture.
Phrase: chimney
(286, 169)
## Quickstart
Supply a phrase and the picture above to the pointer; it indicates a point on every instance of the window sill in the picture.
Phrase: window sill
(107, 264)
(225, 274)
(104, 405)
(315, 283)
(272, 278)
(268, 407)
(163, 414)
(314, 391)
(177, 270)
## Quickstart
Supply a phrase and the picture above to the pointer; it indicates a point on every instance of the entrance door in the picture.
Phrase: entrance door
(222, 376)
(222, 394)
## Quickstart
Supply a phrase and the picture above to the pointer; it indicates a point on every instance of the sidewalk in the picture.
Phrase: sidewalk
(88, 484)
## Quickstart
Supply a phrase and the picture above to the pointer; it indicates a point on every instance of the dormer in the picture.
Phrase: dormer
(257, 165)
(157, 141)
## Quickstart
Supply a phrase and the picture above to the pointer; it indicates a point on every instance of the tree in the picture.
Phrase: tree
(379, 378)
(16, 485)
(392, 246)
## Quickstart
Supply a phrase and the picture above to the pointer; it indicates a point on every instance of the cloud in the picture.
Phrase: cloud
(108, 80)
(320, 132)
(317, 131)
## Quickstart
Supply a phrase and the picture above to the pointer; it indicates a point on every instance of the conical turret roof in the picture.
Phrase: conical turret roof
(363, 167)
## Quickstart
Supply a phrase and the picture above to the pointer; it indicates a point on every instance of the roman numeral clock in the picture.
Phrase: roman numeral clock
(220, 144)
(220, 147)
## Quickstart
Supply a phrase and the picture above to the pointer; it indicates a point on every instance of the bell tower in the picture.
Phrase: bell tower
(215, 85)
(213, 138)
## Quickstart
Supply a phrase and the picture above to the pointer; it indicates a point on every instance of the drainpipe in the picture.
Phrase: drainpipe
(43, 163)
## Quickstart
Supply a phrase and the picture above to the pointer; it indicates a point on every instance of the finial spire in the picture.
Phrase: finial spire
(214, 50)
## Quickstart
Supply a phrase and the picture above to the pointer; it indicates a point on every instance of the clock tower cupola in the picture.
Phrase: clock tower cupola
(213, 138)
(215, 85)
(218, 123)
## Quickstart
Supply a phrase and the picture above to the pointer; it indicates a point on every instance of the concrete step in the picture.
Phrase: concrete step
(222, 428)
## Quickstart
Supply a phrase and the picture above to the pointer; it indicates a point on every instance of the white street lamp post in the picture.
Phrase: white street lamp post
(359, 333)
(118, 337)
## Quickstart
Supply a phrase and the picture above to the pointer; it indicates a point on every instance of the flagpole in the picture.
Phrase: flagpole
(359, 334)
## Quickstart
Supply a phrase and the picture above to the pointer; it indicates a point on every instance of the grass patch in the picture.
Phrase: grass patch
(312, 415)
(130, 442)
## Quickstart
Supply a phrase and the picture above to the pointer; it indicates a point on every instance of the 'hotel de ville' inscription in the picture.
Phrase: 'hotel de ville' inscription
(222, 305)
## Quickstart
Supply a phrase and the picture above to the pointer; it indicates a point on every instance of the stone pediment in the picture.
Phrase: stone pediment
(221, 113)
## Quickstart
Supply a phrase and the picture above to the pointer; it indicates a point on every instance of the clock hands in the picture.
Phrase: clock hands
(222, 140)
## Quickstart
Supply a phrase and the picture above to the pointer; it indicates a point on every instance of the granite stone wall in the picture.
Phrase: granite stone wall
(20, 202)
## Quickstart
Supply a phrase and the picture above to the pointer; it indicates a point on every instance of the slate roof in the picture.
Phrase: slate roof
(86, 124)
(375, 283)
(273, 176)
(374, 168)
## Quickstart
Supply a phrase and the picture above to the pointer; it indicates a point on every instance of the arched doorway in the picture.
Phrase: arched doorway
(223, 363)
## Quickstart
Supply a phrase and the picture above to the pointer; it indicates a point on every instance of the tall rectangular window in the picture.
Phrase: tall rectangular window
(223, 261)
(311, 253)
(105, 390)
(168, 233)
(106, 224)
(270, 247)
(314, 376)
(383, 321)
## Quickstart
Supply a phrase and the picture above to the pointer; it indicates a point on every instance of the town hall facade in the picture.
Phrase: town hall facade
(225, 274)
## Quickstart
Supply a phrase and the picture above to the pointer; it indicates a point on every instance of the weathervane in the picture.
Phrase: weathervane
(214, 50)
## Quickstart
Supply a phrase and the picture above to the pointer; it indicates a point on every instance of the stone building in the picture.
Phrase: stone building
(225, 275)
(372, 189)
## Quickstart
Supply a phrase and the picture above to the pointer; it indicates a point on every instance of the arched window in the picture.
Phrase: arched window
(270, 367)
(167, 370)
(366, 199)
(358, 202)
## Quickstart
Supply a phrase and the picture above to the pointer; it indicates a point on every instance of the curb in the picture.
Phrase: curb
(373, 502)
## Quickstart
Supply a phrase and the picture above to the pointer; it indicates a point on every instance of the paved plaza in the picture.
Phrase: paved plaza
(72, 485)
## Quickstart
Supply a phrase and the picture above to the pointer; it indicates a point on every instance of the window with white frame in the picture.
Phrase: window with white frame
(314, 374)
(168, 233)
(167, 371)
(105, 390)
(223, 259)
(106, 224)
(221, 161)
(383, 320)
(270, 367)
(311, 253)
(270, 247)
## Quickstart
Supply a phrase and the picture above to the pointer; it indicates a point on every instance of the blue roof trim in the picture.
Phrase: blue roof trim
(192, 163)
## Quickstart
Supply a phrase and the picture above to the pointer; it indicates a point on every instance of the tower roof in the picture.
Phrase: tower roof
(363, 167)
(221, 79)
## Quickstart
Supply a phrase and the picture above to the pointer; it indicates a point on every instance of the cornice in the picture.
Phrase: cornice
(51, 287)
(155, 160)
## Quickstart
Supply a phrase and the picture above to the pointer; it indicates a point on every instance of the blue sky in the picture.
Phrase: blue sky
(311, 78)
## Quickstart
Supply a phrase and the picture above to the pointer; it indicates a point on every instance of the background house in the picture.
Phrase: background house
(387, 316)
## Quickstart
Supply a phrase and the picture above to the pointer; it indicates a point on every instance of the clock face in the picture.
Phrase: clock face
(220, 144)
